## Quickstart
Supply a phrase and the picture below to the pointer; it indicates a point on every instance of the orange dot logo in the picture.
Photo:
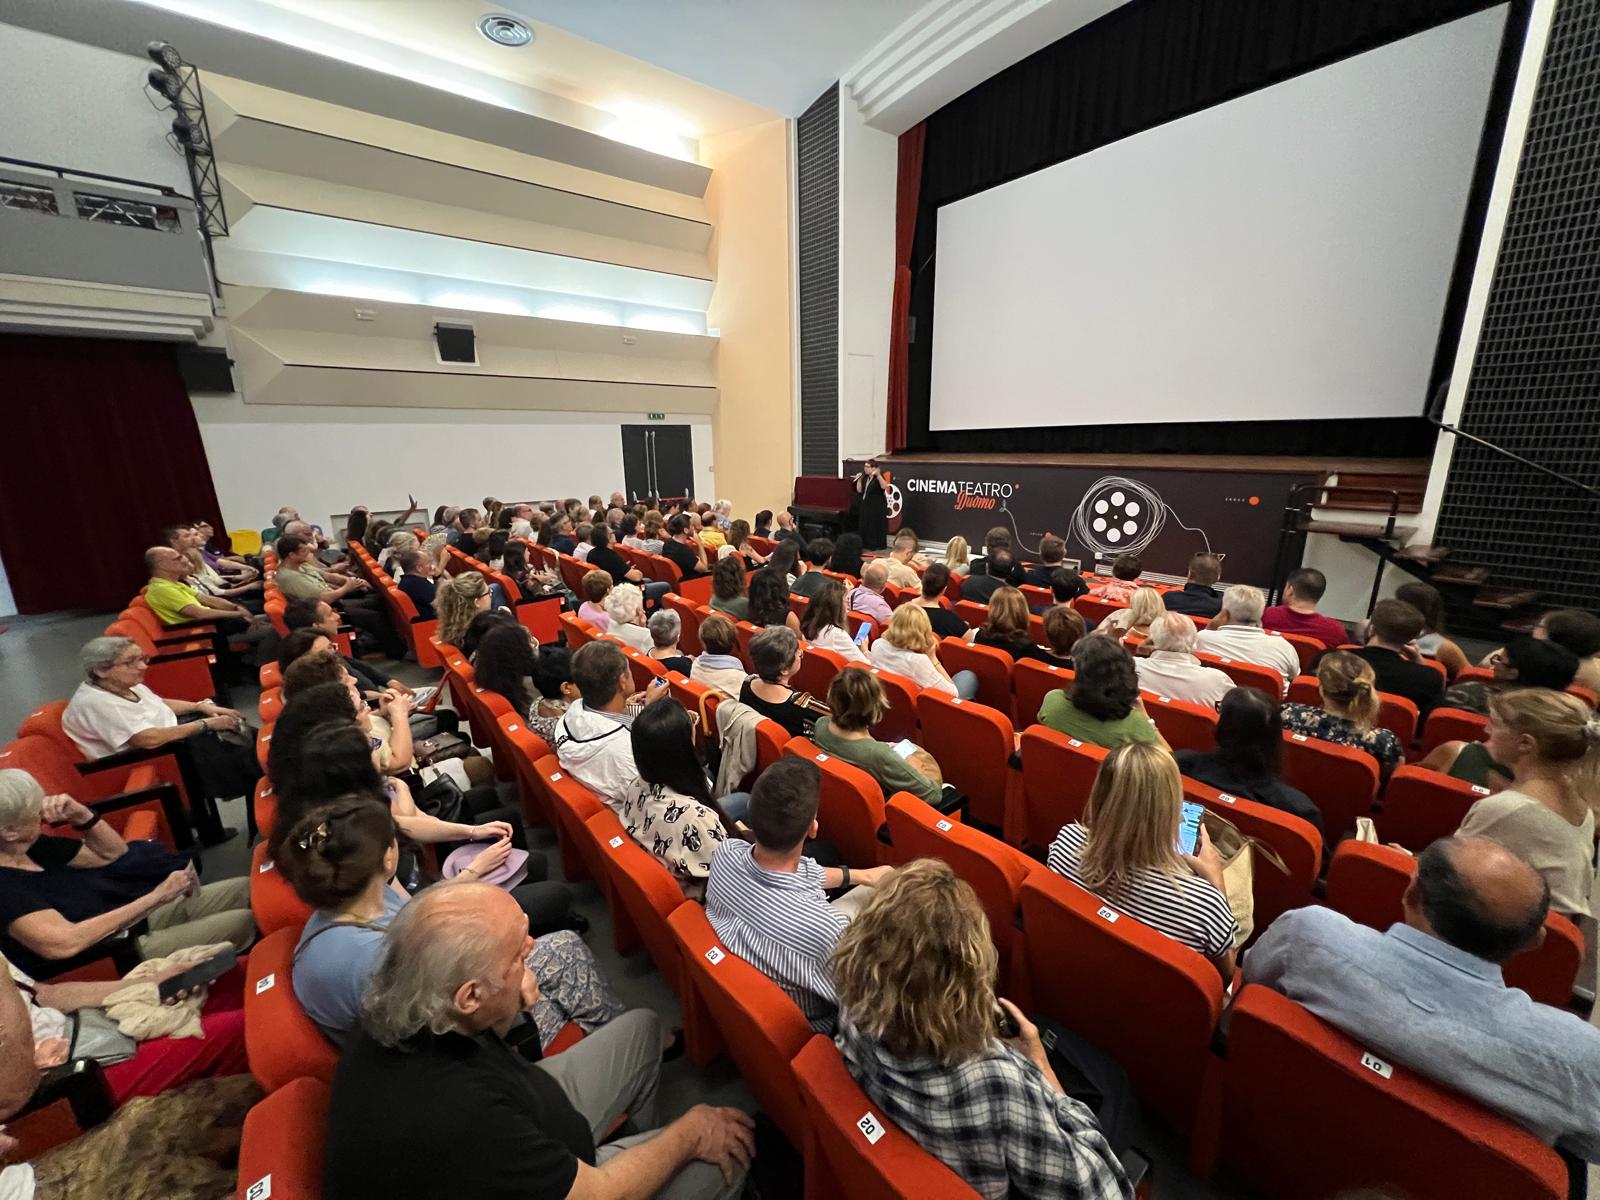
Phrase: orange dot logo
(1254, 500)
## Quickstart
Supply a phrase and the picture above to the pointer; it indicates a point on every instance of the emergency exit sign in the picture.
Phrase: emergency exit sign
(656, 416)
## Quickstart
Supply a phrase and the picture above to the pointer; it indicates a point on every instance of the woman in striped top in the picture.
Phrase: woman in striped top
(1125, 851)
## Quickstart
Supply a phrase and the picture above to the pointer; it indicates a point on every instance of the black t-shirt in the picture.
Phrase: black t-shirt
(809, 584)
(980, 587)
(797, 719)
(1399, 676)
(1040, 575)
(421, 591)
(680, 663)
(682, 556)
(1017, 650)
(1209, 770)
(450, 1115)
(1195, 600)
(76, 894)
(604, 558)
(945, 623)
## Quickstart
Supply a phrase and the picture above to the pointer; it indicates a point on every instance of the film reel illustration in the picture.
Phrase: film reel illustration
(1123, 516)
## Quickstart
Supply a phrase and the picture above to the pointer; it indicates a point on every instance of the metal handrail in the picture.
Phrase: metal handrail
(63, 172)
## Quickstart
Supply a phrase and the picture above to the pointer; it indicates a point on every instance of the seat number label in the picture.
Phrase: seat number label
(264, 867)
(556, 778)
(261, 1189)
(265, 982)
(1107, 914)
(615, 842)
(1227, 799)
(1376, 1065)
(871, 1128)
(715, 955)
(943, 826)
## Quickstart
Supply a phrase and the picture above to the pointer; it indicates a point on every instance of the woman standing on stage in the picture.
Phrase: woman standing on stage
(872, 507)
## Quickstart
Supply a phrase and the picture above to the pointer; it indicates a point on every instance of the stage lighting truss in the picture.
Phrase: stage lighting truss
(178, 84)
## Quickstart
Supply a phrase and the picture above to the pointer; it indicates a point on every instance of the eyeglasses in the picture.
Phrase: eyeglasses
(136, 660)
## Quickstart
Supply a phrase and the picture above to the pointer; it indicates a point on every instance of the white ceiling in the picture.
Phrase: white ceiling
(781, 54)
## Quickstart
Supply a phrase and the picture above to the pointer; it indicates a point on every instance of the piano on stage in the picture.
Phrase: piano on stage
(822, 500)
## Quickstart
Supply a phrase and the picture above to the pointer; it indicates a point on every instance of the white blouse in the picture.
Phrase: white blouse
(914, 666)
(841, 643)
(102, 723)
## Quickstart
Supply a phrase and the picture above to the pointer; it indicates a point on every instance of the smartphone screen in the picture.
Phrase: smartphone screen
(863, 634)
(905, 747)
(1189, 827)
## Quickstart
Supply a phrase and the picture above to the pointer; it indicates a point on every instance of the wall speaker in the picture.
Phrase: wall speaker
(455, 343)
(205, 369)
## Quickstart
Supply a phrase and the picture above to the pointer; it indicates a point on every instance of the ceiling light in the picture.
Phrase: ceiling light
(581, 313)
(477, 303)
(360, 291)
(651, 128)
(662, 323)
(503, 30)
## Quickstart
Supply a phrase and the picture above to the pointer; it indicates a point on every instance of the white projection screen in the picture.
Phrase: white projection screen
(1284, 254)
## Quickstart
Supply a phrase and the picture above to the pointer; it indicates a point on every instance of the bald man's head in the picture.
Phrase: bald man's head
(1478, 896)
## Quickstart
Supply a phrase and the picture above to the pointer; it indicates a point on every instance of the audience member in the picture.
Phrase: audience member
(563, 539)
(596, 586)
(867, 596)
(666, 627)
(1429, 993)
(998, 538)
(174, 601)
(300, 578)
(1248, 760)
(785, 561)
(738, 546)
(1298, 613)
(818, 553)
(763, 525)
(907, 647)
(1063, 626)
(1125, 851)
(1349, 712)
(604, 557)
(903, 562)
(319, 617)
(1104, 705)
(458, 599)
(846, 556)
(915, 974)
(1008, 628)
(718, 664)
(766, 899)
(1549, 745)
(1138, 618)
(580, 538)
(341, 858)
(592, 735)
(1425, 598)
(62, 896)
(1579, 632)
(728, 586)
(787, 532)
(1523, 662)
(625, 607)
(1125, 572)
(1396, 664)
(1052, 560)
(955, 556)
(823, 626)
(998, 569)
(1172, 670)
(112, 710)
(769, 600)
(683, 550)
(416, 581)
(932, 601)
(1198, 596)
(508, 664)
(855, 704)
(430, 1099)
(775, 653)
(1236, 633)
(668, 809)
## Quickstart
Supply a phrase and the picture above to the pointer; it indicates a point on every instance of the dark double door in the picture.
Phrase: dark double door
(657, 460)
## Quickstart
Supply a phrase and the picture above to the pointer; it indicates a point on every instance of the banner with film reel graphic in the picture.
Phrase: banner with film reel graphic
(1163, 515)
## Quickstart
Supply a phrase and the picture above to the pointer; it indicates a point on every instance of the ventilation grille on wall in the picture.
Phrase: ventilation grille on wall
(1535, 385)
(817, 143)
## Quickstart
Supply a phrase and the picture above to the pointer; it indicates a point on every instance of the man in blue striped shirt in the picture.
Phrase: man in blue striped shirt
(766, 900)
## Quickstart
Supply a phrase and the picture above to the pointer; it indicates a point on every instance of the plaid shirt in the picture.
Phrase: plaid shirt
(993, 1120)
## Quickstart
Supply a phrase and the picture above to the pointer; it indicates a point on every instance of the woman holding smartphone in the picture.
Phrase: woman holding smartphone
(1127, 851)
(855, 704)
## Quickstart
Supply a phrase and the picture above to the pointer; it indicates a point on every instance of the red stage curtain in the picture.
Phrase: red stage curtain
(102, 450)
(907, 192)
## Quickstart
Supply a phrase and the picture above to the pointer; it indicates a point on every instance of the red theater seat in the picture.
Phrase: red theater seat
(972, 744)
(850, 810)
(1341, 780)
(282, 1146)
(1184, 724)
(1420, 805)
(1057, 773)
(281, 1043)
(1031, 682)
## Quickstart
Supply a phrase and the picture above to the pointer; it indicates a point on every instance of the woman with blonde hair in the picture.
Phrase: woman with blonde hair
(1125, 850)
(914, 973)
(956, 554)
(457, 600)
(1550, 743)
(1008, 627)
(1144, 606)
(824, 623)
(907, 647)
(1349, 712)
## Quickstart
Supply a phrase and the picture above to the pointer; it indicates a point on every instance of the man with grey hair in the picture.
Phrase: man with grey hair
(1236, 633)
(867, 596)
(431, 1100)
(1429, 993)
(1172, 670)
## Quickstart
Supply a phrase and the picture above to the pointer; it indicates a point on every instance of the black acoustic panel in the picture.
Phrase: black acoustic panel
(817, 146)
(457, 343)
(1535, 384)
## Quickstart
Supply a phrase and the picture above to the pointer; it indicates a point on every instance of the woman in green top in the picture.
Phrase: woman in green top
(855, 704)
(728, 589)
(1104, 707)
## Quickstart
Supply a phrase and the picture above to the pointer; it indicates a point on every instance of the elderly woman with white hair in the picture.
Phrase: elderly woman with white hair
(666, 627)
(62, 896)
(625, 606)
(1172, 670)
(1236, 633)
(113, 711)
(400, 540)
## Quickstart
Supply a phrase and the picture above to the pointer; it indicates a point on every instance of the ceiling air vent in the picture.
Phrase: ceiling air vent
(503, 30)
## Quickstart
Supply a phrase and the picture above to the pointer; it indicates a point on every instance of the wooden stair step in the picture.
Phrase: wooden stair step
(1426, 555)
(1522, 624)
(1461, 573)
(1352, 529)
(1504, 598)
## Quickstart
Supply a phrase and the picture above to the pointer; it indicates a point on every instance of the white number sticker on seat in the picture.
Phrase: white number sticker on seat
(822, 758)
(265, 982)
(1164, 699)
(1376, 1065)
(715, 955)
(1107, 914)
(261, 1189)
(1227, 799)
(1479, 790)
(1074, 743)
(615, 842)
(264, 867)
(1297, 737)
(556, 778)
(871, 1128)
(943, 826)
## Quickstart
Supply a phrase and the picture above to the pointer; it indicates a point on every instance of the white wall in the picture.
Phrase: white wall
(324, 460)
(868, 164)
(80, 107)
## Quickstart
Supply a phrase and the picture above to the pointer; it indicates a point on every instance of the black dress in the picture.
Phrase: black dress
(872, 512)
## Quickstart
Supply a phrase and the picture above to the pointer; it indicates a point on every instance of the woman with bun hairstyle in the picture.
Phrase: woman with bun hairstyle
(1349, 712)
(340, 858)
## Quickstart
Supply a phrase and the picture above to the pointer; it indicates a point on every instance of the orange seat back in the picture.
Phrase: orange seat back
(1308, 1111)
(1138, 995)
(817, 669)
(270, 706)
(273, 901)
(645, 894)
(1294, 840)
(855, 1154)
(1341, 780)
(282, 1146)
(1420, 805)
(526, 748)
(850, 810)
(281, 1043)
(1057, 774)
(572, 804)
(1453, 725)
(270, 676)
(991, 666)
(1264, 679)
(1183, 723)
(1308, 648)
(1031, 682)
(972, 744)
(1094, 609)
(689, 618)
(902, 719)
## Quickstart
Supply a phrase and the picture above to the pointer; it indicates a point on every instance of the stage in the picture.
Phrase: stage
(1163, 508)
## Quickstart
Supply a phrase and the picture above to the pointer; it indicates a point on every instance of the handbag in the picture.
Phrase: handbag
(440, 747)
(1238, 854)
(96, 1036)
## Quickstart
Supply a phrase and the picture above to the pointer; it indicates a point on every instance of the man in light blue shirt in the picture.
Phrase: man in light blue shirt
(1429, 994)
